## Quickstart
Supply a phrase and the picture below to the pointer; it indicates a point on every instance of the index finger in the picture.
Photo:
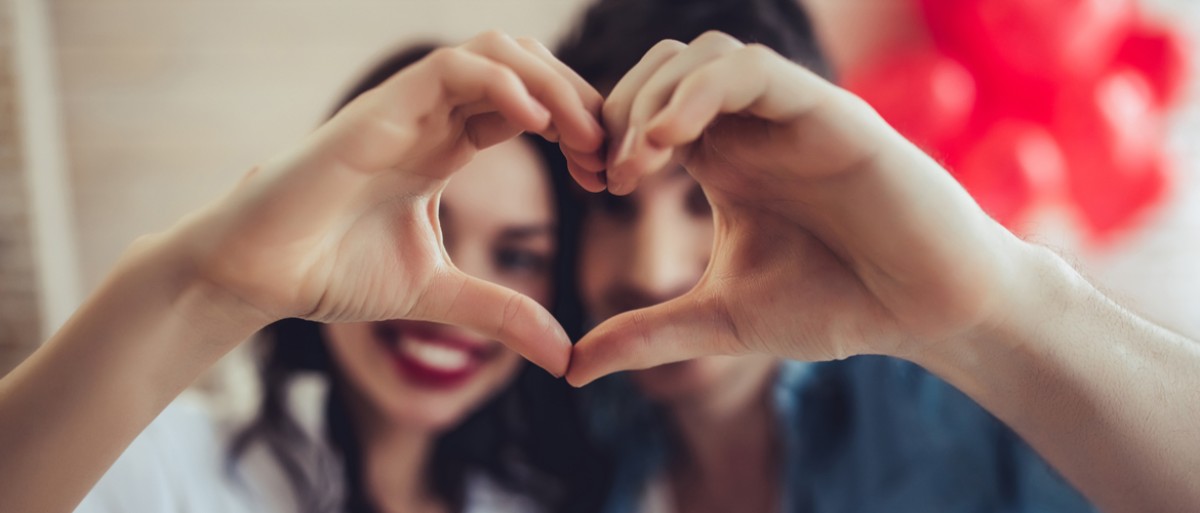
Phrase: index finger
(576, 125)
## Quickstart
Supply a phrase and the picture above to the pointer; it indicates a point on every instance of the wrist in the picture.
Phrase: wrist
(167, 264)
(1019, 332)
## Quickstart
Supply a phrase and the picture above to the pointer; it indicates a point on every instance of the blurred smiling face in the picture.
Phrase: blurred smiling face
(498, 224)
(646, 248)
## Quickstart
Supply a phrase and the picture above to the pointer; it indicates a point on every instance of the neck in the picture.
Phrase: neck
(728, 440)
(394, 461)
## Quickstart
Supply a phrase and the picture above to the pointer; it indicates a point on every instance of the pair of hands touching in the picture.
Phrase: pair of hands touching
(835, 237)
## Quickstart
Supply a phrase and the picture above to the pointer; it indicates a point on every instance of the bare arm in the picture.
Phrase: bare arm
(70, 410)
(1111, 400)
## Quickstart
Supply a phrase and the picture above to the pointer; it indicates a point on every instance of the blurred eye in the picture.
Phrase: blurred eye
(519, 260)
(697, 202)
(619, 208)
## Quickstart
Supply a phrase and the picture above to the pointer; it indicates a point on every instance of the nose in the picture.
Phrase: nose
(668, 255)
(471, 257)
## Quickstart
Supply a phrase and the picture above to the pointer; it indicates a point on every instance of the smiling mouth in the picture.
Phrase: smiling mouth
(433, 356)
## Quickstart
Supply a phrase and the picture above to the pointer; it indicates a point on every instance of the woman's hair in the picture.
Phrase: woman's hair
(528, 438)
(613, 35)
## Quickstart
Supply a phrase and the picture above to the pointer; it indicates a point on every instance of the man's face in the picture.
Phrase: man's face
(649, 247)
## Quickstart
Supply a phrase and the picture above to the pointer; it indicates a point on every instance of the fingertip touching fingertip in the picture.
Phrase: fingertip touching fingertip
(624, 150)
(598, 134)
(576, 381)
(587, 160)
(559, 368)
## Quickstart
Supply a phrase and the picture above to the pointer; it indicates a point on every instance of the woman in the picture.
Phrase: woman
(419, 416)
(342, 230)
(465, 413)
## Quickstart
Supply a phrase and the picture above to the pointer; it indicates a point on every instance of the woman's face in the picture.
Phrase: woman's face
(498, 224)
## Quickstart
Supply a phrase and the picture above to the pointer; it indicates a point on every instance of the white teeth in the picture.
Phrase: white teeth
(436, 356)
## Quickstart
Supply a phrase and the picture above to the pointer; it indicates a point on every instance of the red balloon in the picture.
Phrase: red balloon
(1111, 134)
(926, 96)
(1111, 200)
(1114, 121)
(1041, 39)
(1159, 53)
(1014, 167)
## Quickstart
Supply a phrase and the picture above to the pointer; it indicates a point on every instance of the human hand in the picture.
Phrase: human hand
(834, 235)
(344, 227)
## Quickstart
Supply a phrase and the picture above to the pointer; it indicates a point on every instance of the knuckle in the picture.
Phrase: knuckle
(492, 37)
(715, 70)
(759, 53)
(499, 74)
(718, 39)
(852, 103)
(529, 43)
(443, 58)
(667, 46)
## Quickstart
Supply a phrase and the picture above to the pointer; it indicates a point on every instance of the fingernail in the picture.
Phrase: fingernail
(597, 132)
(625, 151)
(578, 384)
(654, 123)
(542, 112)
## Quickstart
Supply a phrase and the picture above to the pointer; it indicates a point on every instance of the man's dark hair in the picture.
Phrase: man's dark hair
(614, 34)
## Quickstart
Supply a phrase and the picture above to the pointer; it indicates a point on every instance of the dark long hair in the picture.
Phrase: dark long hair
(613, 35)
(528, 438)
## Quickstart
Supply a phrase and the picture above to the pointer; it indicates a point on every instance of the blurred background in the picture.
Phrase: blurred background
(1075, 127)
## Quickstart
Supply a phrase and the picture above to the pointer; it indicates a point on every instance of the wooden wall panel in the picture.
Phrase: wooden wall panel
(166, 103)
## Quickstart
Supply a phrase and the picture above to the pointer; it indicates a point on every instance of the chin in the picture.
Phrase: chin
(703, 379)
(680, 381)
(426, 414)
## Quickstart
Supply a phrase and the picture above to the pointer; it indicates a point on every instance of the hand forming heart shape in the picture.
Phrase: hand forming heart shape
(833, 233)
(344, 227)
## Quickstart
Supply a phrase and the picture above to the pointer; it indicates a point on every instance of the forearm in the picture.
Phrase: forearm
(1109, 399)
(69, 411)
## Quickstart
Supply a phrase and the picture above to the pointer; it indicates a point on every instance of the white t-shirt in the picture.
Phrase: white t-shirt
(180, 464)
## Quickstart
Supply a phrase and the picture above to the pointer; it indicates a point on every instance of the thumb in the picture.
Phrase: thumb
(681, 329)
(452, 297)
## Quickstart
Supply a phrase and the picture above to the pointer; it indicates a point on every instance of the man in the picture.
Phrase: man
(786, 278)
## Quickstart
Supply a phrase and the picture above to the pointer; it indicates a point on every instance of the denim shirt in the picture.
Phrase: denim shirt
(862, 435)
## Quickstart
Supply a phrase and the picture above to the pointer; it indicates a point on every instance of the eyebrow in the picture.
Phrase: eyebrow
(518, 232)
(526, 232)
